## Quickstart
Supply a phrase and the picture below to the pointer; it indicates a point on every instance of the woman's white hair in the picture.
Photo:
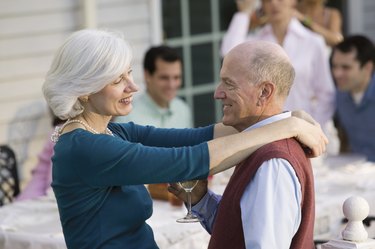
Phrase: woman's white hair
(86, 62)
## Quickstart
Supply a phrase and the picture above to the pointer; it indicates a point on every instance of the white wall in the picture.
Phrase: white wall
(30, 32)
(361, 15)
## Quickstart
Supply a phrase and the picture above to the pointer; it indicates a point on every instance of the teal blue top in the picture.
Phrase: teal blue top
(98, 180)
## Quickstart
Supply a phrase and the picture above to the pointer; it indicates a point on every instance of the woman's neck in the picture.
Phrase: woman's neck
(280, 29)
(96, 121)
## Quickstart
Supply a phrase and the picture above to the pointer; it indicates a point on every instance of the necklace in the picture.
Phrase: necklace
(56, 134)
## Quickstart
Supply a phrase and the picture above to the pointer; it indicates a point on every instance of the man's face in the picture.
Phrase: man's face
(238, 95)
(347, 71)
(164, 83)
(278, 10)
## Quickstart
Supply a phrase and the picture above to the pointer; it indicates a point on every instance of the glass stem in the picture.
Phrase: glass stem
(189, 202)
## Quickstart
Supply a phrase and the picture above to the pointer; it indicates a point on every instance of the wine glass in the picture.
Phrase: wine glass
(188, 186)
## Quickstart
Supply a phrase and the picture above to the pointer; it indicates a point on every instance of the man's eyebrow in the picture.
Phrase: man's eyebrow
(227, 79)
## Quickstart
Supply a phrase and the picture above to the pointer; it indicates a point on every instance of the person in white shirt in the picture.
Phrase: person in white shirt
(313, 88)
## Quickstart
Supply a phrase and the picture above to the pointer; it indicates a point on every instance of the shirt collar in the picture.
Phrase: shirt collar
(297, 28)
(161, 111)
(270, 120)
(294, 27)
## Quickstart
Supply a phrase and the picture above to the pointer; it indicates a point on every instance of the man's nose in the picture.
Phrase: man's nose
(219, 94)
(336, 72)
(173, 82)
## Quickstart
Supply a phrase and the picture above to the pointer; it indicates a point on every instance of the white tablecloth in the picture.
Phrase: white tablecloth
(336, 179)
(35, 224)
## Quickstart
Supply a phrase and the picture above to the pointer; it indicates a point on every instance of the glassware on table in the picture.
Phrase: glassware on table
(188, 186)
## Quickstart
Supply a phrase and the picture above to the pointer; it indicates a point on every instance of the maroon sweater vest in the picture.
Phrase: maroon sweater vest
(227, 230)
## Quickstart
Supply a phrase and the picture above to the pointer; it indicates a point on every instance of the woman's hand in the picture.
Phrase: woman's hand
(309, 133)
(305, 116)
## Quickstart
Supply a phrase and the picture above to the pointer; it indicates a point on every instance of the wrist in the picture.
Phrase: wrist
(294, 126)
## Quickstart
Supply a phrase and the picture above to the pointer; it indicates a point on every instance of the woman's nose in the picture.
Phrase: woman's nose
(131, 87)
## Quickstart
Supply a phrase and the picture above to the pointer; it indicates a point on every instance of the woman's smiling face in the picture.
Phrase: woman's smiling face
(115, 99)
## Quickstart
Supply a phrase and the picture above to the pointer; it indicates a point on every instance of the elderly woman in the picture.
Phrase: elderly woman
(99, 167)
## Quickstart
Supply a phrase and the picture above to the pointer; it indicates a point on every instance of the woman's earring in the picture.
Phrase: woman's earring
(84, 99)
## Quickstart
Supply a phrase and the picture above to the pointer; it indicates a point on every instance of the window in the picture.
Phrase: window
(195, 28)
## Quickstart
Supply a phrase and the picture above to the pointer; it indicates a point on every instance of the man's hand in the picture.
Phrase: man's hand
(196, 195)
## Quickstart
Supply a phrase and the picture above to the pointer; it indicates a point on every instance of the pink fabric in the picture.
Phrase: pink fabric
(41, 174)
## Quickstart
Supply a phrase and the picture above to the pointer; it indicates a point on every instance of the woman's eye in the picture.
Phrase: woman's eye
(118, 81)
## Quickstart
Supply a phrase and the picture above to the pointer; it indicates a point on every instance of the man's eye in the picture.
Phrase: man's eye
(229, 86)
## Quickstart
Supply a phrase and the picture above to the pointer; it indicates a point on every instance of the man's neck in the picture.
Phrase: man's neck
(159, 102)
(362, 87)
(280, 29)
(268, 119)
(358, 93)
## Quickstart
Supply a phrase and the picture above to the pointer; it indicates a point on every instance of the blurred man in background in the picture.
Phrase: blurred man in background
(159, 105)
(353, 62)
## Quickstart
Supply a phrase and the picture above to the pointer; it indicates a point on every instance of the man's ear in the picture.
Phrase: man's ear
(147, 76)
(369, 66)
(267, 90)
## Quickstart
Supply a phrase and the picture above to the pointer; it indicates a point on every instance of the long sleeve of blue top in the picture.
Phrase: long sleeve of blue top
(98, 180)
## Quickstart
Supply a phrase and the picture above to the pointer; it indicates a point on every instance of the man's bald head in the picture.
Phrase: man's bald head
(265, 61)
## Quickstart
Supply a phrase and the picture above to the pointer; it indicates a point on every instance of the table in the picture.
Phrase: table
(34, 224)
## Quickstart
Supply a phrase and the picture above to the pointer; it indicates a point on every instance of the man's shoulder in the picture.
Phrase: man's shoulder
(314, 38)
(307, 34)
(280, 148)
(178, 103)
(143, 103)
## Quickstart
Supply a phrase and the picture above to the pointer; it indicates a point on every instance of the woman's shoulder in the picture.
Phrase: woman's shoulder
(129, 131)
(122, 129)
(332, 14)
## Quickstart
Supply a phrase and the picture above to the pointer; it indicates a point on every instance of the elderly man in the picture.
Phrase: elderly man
(313, 89)
(277, 179)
